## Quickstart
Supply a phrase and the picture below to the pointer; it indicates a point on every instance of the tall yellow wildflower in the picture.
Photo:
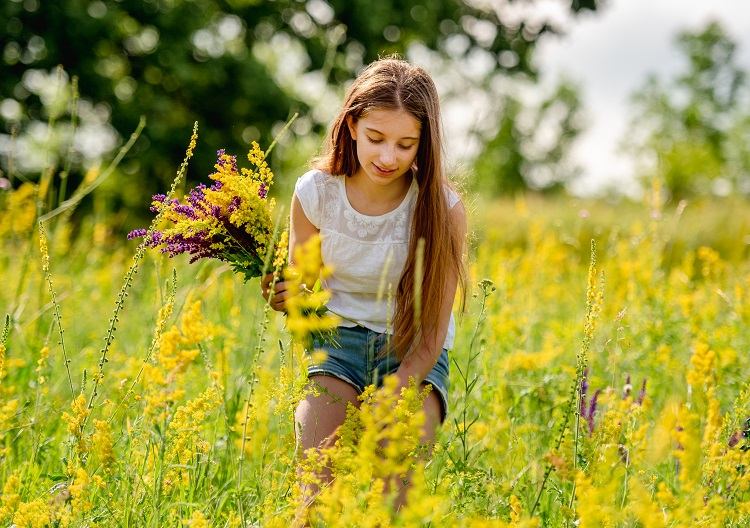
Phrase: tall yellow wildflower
(10, 498)
(305, 305)
(20, 211)
(76, 419)
(34, 514)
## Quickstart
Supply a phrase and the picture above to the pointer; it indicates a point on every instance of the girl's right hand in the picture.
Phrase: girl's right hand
(280, 293)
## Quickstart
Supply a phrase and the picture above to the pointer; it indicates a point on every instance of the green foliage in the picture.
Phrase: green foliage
(694, 128)
(240, 68)
(529, 149)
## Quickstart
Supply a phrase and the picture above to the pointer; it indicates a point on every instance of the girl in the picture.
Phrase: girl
(376, 195)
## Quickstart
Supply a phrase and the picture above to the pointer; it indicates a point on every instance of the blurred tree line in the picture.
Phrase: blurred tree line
(240, 68)
(691, 133)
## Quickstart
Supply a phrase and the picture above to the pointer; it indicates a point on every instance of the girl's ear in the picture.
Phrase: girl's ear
(352, 125)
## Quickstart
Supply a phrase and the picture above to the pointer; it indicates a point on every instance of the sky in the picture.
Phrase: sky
(610, 54)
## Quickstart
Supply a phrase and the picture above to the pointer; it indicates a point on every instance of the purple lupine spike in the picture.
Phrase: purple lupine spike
(136, 233)
(233, 160)
(641, 393)
(159, 197)
(627, 389)
(584, 390)
(216, 186)
(263, 191)
(592, 410)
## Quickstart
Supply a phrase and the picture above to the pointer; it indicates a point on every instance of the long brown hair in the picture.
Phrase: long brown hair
(392, 83)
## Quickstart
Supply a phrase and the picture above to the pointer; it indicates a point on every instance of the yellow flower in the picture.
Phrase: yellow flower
(20, 211)
(101, 445)
(76, 419)
(40, 364)
(34, 514)
(80, 492)
(197, 520)
(701, 373)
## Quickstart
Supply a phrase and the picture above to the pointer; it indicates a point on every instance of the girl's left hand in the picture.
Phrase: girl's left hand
(279, 294)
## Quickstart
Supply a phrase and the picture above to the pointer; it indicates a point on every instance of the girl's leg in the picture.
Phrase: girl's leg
(432, 414)
(318, 417)
(316, 420)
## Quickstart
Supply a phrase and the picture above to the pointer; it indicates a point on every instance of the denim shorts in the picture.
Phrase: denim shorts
(352, 356)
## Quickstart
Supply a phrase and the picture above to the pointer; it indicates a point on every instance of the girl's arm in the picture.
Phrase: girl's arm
(300, 230)
(423, 357)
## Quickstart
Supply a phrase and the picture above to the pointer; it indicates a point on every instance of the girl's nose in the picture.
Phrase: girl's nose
(387, 157)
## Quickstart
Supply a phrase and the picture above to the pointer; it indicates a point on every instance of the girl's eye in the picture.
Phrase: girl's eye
(375, 140)
(405, 147)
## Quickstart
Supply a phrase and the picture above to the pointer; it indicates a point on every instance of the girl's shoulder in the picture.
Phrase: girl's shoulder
(313, 191)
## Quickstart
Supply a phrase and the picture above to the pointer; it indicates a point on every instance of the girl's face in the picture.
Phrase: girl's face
(387, 142)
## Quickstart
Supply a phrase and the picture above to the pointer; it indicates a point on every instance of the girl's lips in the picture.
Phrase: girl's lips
(383, 171)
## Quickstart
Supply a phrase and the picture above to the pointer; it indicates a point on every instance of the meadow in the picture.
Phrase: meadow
(598, 379)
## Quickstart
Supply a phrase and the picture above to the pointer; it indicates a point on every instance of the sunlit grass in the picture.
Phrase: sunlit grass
(196, 380)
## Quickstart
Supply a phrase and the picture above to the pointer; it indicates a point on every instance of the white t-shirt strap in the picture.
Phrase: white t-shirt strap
(308, 193)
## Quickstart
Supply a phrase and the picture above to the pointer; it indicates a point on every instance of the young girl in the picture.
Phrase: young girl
(376, 195)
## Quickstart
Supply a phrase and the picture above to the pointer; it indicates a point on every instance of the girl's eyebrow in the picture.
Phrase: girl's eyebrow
(379, 132)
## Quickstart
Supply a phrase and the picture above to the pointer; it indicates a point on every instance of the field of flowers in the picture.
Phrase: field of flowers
(592, 384)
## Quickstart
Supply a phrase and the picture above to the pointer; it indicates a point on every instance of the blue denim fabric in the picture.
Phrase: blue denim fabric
(352, 356)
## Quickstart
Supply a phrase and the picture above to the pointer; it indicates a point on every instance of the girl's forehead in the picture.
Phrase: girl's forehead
(391, 121)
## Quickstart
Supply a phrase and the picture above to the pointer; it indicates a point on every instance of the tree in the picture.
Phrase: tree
(692, 130)
(239, 67)
(531, 145)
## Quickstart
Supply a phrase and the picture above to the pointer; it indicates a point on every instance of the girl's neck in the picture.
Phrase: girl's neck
(372, 199)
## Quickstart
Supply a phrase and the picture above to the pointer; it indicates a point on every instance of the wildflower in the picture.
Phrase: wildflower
(19, 212)
(702, 364)
(230, 220)
(34, 514)
(10, 497)
(197, 520)
(77, 418)
(80, 492)
(306, 313)
(101, 445)
(40, 364)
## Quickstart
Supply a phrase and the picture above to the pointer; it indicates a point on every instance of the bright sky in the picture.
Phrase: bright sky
(610, 55)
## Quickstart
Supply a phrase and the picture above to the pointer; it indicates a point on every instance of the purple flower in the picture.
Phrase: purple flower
(156, 238)
(186, 210)
(263, 191)
(135, 233)
(584, 390)
(641, 393)
(234, 204)
(159, 197)
(592, 410)
(195, 198)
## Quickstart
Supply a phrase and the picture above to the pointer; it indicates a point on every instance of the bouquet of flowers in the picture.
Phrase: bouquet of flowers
(230, 220)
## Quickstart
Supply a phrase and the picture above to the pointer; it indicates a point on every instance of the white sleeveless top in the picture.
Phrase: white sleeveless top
(367, 253)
